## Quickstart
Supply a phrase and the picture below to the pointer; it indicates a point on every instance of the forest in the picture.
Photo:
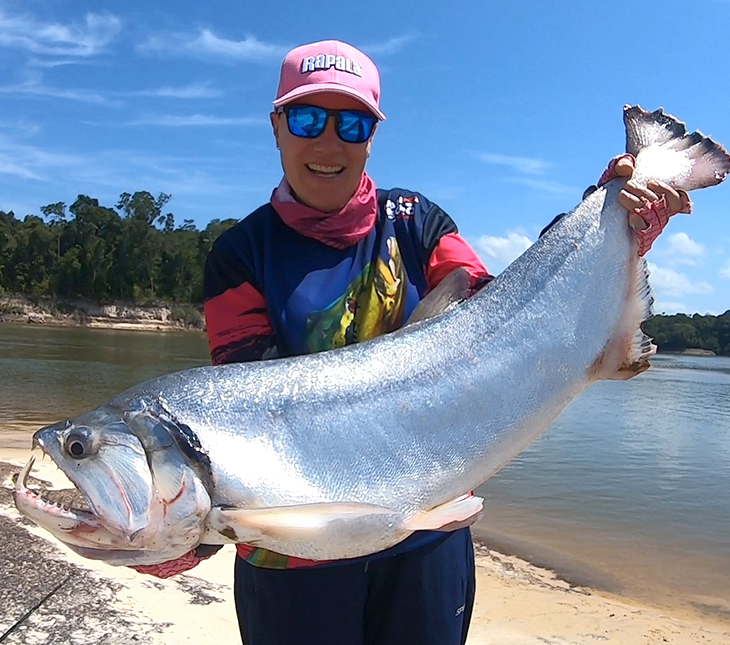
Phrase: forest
(134, 252)
(679, 332)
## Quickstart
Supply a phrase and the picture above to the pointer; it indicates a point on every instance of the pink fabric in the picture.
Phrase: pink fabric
(610, 172)
(338, 229)
(656, 215)
(329, 66)
(173, 567)
(452, 252)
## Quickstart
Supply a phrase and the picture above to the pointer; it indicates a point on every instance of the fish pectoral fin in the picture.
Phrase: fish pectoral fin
(300, 522)
(454, 288)
(456, 514)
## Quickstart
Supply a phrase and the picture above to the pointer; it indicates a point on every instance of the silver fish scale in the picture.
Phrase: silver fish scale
(416, 418)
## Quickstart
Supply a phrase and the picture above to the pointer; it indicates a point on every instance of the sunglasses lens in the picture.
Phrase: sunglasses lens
(306, 121)
(355, 127)
(309, 121)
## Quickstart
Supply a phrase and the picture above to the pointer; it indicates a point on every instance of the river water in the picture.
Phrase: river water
(629, 490)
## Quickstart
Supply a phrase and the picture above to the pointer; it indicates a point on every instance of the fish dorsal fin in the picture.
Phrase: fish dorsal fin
(454, 288)
(665, 151)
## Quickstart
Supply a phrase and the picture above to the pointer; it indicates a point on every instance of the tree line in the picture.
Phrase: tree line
(135, 252)
(132, 252)
(679, 332)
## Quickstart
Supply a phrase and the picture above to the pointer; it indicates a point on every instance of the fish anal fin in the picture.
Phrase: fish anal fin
(462, 511)
(303, 522)
(623, 372)
(628, 351)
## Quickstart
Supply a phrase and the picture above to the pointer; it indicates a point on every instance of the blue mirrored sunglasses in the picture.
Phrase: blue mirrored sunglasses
(309, 121)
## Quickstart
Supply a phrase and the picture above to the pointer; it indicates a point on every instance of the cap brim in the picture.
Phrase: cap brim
(307, 90)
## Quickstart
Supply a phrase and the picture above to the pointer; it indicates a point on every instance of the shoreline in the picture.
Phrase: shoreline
(119, 315)
(517, 602)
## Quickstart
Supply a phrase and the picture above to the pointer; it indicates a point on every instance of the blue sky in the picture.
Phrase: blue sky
(500, 112)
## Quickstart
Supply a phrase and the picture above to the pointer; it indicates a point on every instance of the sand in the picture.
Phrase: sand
(517, 603)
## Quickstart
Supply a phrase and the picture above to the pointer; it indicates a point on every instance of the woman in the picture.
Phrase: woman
(330, 261)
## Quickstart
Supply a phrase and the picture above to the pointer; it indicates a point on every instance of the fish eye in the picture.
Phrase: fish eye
(78, 444)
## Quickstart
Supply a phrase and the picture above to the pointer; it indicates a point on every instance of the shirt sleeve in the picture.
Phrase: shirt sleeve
(451, 252)
(237, 322)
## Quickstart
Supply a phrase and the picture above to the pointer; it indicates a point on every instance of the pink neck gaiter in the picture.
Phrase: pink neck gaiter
(338, 229)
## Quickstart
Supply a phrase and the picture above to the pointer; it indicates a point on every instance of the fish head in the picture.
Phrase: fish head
(144, 500)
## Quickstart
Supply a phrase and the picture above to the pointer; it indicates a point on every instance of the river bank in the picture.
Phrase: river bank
(117, 315)
(517, 603)
(129, 316)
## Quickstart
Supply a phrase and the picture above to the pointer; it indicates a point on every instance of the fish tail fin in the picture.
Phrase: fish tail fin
(664, 150)
(628, 352)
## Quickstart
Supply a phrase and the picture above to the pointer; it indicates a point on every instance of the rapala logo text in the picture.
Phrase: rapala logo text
(326, 61)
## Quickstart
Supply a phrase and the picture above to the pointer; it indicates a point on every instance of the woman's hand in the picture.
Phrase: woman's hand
(650, 206)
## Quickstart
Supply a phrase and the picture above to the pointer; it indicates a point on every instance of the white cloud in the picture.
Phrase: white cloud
(198, 120)
(725, 270)
(206, 44)
(682, 243)
(192, 91)
(499, 252)
(29, 162)
(35, 87)
(11, 167)
(684, 250)
(668, 282)
(55, 39)
(544, 185)
(19, 127)
(526, 165)
(667, 307)
(113, 171)
(390, 46)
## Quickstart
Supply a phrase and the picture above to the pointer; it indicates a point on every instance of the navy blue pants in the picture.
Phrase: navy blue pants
(421, 597)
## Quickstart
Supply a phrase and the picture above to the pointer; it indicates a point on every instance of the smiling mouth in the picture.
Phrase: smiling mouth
(325, 171)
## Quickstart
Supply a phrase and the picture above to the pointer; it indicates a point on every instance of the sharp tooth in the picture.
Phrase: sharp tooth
(23, 476)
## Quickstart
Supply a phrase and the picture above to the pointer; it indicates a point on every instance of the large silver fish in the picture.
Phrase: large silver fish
(345, 453)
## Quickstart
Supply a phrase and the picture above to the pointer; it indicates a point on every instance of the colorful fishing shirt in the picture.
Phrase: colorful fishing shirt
(271, 291)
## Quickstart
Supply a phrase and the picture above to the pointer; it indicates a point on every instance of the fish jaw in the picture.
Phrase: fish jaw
(82, 532)
(72, 526)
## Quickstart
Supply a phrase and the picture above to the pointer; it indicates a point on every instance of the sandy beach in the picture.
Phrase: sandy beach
(68, 599)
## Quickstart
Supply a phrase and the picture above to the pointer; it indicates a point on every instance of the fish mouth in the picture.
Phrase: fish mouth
(67, 516)
(66, 510)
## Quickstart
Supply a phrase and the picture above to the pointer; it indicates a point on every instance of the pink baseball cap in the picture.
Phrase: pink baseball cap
(329, 66)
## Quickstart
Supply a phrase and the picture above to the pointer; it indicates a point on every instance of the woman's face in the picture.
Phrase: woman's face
(323, 172)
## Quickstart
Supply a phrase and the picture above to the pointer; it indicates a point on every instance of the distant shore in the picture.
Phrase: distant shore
(130, 316)
(118, 315)
(695, 351)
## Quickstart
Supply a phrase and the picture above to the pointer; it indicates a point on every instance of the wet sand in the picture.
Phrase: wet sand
(59, 597)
